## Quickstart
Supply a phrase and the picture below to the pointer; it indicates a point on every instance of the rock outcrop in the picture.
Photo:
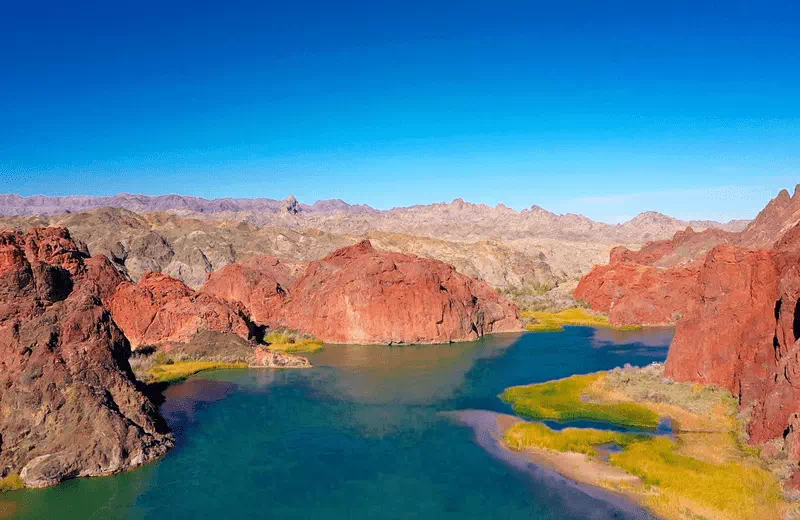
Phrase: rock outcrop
(265, 358)
(160, 310)
(69, 404)
(740, 321)
(635, 294)
(259, 284)
(360, 295)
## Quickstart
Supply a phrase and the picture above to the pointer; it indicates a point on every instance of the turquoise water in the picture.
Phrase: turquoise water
(361, 435)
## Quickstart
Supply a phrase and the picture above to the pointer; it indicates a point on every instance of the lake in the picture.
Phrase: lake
(366, 433)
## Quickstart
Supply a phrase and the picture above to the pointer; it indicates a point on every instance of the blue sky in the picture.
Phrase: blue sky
(601, 108)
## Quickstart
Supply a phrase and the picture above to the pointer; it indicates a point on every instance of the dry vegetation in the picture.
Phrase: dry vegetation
(287, 340)
(11, 482)
(705, 473)
(543, 321)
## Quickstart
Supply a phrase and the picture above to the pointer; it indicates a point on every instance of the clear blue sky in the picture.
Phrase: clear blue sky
(603, 108)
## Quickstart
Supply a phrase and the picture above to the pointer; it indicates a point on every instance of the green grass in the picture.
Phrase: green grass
(11, 483)
(563, 400)
(180, 370)
(541, 321)
(283, 341)
(735, 490)
(579, 440)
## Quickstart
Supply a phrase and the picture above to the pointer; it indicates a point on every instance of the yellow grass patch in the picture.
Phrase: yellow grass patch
(179, 370)
(704, 474)
(578, 440)
(11, 483)
(287, 342)
(540, 321)
(565, 400)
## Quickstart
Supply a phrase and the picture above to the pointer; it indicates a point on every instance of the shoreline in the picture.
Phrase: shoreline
(489, 428)
(578, 467)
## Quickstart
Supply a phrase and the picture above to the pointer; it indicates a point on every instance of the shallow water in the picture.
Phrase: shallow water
(358, 436)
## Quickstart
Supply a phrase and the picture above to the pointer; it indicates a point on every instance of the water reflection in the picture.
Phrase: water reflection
(648, 337)
(412, 374)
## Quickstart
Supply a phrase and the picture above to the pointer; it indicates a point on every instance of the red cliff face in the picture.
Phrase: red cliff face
(656, 285)
(744, 337)
(634, 294)
(727, 339)
(69, 406)
(259, 283)
(741, 319)
(161, 310)
(360, 295)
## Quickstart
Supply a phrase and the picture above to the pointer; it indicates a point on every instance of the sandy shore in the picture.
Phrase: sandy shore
(579, 467)
(590, 487)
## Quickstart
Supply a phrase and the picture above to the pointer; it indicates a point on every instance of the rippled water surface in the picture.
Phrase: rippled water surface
(361, 435)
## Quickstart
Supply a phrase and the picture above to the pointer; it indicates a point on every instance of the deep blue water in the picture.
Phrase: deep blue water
(358, 436)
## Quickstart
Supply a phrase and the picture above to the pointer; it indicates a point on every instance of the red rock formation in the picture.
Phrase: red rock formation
(259, 283)
(69, 405)
(741, 324)
(161, 310)
(685, 247)
(360, 295)
(634, 294)
(727, 339)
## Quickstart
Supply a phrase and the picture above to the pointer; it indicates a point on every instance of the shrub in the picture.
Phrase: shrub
(11, 482)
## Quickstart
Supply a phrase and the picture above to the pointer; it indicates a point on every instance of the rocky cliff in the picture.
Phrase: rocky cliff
(69, 404)
(161, 310)
(361, 295)
(737, 310)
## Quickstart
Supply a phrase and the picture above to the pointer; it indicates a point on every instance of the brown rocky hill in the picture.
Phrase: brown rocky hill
(188, 248)
(467, 222)
(69, 406)
(523, 253)
(40, 205)
(458, 220)
(737, 309)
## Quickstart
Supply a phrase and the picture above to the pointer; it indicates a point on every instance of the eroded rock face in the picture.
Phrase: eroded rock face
(161, 310)
(727, 339)
(69, 405)
(361, 295)
(259, 283)
(635, 294)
